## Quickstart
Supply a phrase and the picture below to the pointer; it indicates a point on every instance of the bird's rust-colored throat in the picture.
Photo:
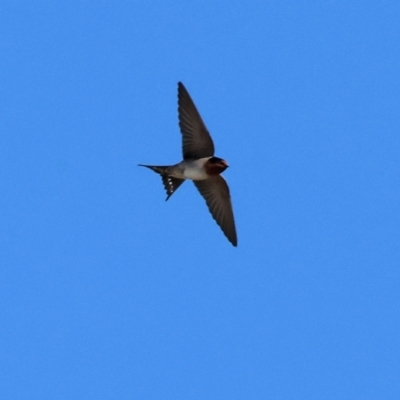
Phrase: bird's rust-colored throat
(215, 166)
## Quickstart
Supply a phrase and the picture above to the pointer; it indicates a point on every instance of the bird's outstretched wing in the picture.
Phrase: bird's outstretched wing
(196, 141)
(215, 191)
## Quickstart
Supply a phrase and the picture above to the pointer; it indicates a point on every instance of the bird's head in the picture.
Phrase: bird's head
(215, 166)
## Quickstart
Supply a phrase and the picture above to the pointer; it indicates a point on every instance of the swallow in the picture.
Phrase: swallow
(199, 165)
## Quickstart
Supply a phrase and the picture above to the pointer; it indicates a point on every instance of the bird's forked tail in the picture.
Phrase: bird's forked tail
(156, 168)
(171, 183)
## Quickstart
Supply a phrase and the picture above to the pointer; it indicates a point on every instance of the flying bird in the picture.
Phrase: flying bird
(199, 165)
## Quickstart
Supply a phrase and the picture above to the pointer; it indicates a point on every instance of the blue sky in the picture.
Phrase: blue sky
(109, 292)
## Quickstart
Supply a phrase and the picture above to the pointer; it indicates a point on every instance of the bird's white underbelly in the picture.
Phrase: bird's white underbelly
(195, 173)
(194, 170)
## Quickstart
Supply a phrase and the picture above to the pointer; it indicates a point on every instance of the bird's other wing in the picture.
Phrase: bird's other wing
(215, 191)
(196, 141)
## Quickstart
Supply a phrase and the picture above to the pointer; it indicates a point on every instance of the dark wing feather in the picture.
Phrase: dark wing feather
(216, 193)
(196, 141)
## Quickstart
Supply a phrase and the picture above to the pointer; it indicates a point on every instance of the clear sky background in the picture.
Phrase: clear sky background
(109, 292)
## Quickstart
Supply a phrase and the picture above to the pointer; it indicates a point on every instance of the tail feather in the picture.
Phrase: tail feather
(156, 168)
(171, 184)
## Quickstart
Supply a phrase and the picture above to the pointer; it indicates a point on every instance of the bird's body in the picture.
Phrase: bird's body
(199, 165)
(195, 170)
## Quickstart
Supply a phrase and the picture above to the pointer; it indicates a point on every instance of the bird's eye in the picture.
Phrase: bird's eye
(215, 160)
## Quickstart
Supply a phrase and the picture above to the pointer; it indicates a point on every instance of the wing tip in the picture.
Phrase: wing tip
(232, 239)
